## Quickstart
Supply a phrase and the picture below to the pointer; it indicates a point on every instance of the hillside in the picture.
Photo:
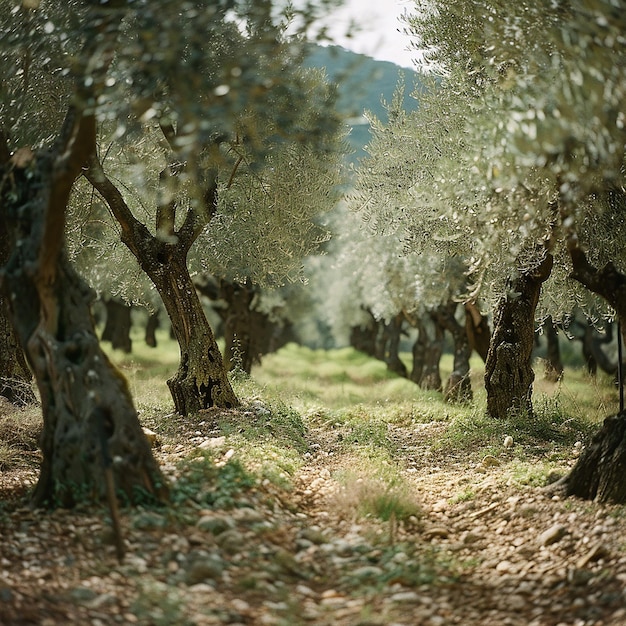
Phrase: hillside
(364, 85)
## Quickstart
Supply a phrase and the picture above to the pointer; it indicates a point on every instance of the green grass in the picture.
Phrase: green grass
(146, 369)
(337, 379)
(356, 401)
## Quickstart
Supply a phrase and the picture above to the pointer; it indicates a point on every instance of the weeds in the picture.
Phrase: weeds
(204, 483)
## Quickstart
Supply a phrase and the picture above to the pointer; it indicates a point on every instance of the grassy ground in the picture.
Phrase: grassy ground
(338, 487)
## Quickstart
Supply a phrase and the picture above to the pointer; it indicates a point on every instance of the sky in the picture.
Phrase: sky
(378, 34)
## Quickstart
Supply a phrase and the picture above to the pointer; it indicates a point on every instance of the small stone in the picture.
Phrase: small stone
(201, 567)
(215, 524)
(248, 515)
(405, 596)
(151, 436)
(436, 532)
(149, 520)
(212, 443)
(504, 566)
(231, 541)
(552, 535)
(597, 552)
(516, 602)
(367, 572)
(83, 594)
(490, 461)
(508, 441)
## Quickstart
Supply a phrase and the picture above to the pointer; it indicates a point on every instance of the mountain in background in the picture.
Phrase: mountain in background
(364, 84)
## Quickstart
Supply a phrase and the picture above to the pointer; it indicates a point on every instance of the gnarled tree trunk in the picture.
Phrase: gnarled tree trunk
(90, 426)
(600, 473)
(201, 380)
(508, 370)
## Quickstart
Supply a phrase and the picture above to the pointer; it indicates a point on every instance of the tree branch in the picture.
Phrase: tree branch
(196, 219)
(130, 225)
(608, 282)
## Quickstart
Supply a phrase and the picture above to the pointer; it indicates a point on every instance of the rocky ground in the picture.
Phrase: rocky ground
(484, 551)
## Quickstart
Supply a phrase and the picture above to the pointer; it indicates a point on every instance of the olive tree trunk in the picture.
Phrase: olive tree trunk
(509, 374)
(427, 351)
(201, 380)
(553, 366)
(152, 324)
(477, 330)
(117, 325)
(90, 427)
(392, 353)
(600, 473)
(458, 388)
(15, 377)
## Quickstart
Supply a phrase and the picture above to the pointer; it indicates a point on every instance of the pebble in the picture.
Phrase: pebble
(552, 535)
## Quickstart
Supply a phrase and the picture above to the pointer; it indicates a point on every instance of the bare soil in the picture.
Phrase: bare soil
(487, 550)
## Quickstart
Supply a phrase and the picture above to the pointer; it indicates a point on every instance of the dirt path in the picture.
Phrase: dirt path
(485, 551)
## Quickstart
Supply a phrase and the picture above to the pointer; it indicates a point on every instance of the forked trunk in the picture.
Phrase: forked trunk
(90, 426)
(201, 381)
(509, 374)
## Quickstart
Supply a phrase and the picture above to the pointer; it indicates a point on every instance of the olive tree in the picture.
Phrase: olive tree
(256, 168)
(548, 128)
(114, 67)
(88, 415)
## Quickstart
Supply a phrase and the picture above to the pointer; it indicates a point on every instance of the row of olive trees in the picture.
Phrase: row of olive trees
(203, 139)
(514, 163)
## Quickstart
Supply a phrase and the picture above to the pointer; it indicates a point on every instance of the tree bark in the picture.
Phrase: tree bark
(554, 366)
(241, 342)
(599, 473)
(201, 381)
(458, 388)
(248, 333)
(365, 337)
(392, 356)
(15, 377)
(427, 351)
(477, 329)
(88, 414)
(151, 327)
(593, 353)
(117, 326)
(508, 370)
